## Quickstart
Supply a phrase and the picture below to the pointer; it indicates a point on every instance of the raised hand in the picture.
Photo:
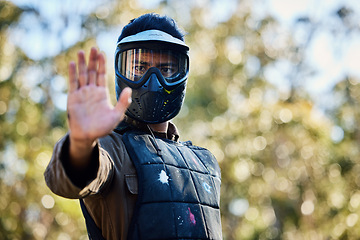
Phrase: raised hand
(91, 114)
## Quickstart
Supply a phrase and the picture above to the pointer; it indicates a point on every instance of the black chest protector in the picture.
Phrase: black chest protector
(179, 189)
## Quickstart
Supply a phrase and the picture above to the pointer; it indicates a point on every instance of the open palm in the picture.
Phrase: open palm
(91, 114)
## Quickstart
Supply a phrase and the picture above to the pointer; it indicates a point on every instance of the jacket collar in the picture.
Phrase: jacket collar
(171, 134)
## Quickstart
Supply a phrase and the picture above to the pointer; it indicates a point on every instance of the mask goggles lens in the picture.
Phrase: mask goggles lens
(134, 63)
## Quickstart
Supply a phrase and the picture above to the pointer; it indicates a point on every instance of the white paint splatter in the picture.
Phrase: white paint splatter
(163, 178)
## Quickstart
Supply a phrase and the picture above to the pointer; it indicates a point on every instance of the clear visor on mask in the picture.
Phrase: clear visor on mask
(134, 63)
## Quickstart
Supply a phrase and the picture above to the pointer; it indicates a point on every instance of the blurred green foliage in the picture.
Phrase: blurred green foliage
(290, 170)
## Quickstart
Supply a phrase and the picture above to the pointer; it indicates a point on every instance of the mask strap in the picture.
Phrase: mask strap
(158, 150)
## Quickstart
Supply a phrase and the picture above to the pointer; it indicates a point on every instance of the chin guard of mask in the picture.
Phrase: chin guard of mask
(151, 102)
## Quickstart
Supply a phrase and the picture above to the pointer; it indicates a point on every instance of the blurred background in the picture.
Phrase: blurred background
(273, 92)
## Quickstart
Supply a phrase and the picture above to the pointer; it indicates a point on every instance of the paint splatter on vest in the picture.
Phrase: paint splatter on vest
(179, 189)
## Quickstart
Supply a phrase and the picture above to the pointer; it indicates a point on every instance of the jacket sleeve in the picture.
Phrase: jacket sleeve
(70, 183)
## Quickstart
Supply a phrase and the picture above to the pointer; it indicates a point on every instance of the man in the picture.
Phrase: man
(136, 180)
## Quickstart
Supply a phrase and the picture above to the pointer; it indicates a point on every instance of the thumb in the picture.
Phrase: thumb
(124, 100)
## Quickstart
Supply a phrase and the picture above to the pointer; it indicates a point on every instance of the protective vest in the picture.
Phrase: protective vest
(178, 189)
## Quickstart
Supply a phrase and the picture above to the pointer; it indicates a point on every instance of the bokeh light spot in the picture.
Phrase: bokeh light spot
(48, 201)
(307, 207)
(238, 206)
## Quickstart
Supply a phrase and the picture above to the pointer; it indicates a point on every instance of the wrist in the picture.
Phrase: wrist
(81, 143)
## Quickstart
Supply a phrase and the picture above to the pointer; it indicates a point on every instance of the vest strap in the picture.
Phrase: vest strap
(94, 232)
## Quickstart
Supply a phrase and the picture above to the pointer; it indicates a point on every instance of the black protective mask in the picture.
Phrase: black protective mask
(157, 73)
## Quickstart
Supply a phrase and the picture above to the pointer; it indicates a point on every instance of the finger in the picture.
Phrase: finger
(82, 69)
(101, 77)
(92, 77)
(92, 67)
(93, 58)
(124, 100)
(73, 84)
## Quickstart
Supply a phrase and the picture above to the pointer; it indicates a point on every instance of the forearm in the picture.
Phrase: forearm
(57, 175)
(81, 162)
(79, 173)
(65, 180)
(80, 152)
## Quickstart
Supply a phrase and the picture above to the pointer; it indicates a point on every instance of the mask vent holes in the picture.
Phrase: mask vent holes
(137, 100)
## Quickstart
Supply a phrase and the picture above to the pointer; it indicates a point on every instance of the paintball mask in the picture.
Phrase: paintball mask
(155, 65)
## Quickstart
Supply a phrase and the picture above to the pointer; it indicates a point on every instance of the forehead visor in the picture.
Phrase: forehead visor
(153, 35)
